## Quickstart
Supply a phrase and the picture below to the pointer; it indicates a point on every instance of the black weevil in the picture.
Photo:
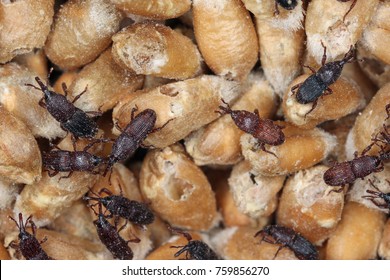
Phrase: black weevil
(317, 84)
(70, 117)
(287, 237)
(29, 246)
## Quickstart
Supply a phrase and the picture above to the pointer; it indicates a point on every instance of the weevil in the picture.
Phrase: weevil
(135, 212)
(29, 246)
(195, 249)
(132, 135)
(378, 194)
(56, 161)
(285, 4)
(109, 236)
(287, 237)
(264, 130)
(317, 84)
(350, 8)
(347, 172)
(71, 118)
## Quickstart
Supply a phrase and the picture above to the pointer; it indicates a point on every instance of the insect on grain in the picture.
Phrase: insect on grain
(285, 4)
(317, 84)
(132, 135)
(135, 212)
(109, 236)
(28, 245)
(264, 130)
(347, 172)
(378, 195)
(71, 118)
(287, 237)
(194, 249)
(59, 160)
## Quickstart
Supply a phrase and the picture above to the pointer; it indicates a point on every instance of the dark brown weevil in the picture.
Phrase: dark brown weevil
(287, 237)
(132, 135)
(58, 160)
(109, 236)
(347, 172)
(318, 83)
(135, 212)
(264, 130)
(195, 249)
(71, 118)
(28, 245)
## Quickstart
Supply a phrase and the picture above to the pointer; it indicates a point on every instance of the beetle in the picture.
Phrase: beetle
(264, 130)
(301, 247)
(350, 8)
(59, 160)
(317, 84)
(378, 194)
(195, 249)
(71, 118)
(136, 212)
(29, 246)
(132, 135)
(109, 236)
(361, 166)
(286, 4)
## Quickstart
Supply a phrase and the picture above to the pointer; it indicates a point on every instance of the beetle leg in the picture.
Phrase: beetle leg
(177, 230)
(328, 91)
(52, 173)
(310, 68)
(65, 177)
(295, 87)
(134, 240)
(31, 85)
(262, 147)
(116, 222)
(280, 248)
(380, 205)
(95, 141)
(135, 109)
(350, 8)
(42, 102)
(117, 125)
(94, 113)
(339, 190)
(379, 168)
(14, 245)
(79, 95)
(106, 191)
(323, 61)
(65, 89)
(43, 240)
(161, 127)
(33, 226)
(312, 108)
